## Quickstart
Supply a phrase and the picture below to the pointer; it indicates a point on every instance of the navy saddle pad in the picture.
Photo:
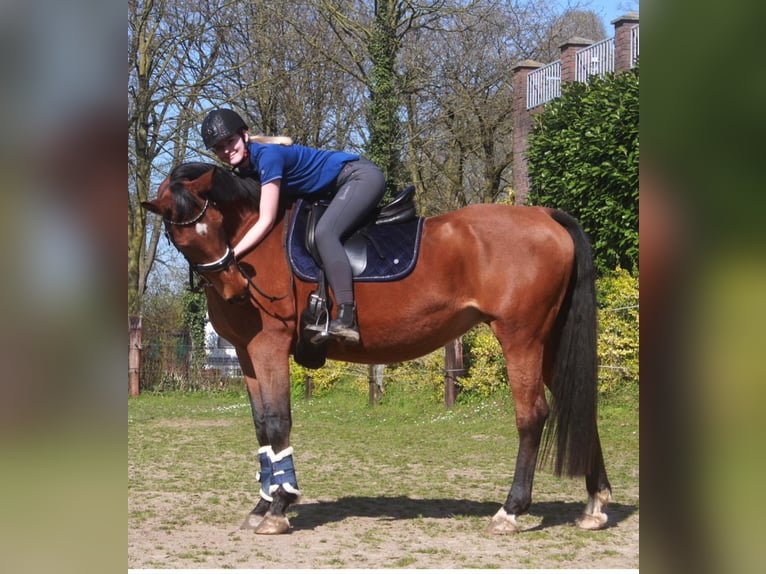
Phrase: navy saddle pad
(391, 249)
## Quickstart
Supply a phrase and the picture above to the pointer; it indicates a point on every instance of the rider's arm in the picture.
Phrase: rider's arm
(266, 219)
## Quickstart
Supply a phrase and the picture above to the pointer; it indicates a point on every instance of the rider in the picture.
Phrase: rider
(355, 184)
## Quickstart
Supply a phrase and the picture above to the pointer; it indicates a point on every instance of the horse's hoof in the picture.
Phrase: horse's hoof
(592, 521)
(503, 523)
(251, 522)
(273, 525)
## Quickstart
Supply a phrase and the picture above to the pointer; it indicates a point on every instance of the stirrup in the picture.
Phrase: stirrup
(323, 334)
(321, 331)
(320, 336)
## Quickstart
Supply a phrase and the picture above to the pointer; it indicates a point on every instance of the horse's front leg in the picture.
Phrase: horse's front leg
(269, 393)
(263, 475)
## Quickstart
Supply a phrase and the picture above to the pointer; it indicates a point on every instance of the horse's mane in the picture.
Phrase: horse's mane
(227, 187)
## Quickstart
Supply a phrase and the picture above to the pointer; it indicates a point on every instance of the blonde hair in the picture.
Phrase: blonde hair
(281, 140)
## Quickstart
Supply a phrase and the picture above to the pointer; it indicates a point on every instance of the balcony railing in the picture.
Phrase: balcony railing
(544, 84)
(595, 60)
(633, 46)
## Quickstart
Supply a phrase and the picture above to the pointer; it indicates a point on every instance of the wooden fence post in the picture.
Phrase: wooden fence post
(308, 383)
(376, 383)
(453, 368)
(134, 355)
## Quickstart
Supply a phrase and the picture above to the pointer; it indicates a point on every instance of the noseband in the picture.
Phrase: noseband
(218, 265)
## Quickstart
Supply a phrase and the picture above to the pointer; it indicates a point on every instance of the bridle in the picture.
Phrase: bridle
(189, 221)
(220, 264)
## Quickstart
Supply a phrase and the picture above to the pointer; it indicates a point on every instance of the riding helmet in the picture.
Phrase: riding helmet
(220, 124)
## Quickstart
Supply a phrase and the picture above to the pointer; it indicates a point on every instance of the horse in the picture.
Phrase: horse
(525, 271)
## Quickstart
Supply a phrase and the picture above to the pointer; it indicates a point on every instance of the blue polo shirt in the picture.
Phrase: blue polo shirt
(303, 170)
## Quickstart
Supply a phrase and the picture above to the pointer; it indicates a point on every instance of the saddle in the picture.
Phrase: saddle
(385, 248)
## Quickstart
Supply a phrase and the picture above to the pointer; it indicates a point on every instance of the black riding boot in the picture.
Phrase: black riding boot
(345, 325)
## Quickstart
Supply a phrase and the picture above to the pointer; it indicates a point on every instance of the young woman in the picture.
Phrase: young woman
(355, 184)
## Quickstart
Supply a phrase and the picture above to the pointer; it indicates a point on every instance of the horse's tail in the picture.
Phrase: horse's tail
(572, 422)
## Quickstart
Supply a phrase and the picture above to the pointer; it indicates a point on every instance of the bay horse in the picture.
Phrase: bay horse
(525, 271)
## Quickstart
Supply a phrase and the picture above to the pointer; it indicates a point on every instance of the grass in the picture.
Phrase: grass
(169, 437)
(404, 459)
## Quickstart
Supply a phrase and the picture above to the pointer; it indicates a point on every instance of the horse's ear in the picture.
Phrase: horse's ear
(149, 206)
(203, 183)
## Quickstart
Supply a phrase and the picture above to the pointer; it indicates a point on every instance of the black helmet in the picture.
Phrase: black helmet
(220, 124)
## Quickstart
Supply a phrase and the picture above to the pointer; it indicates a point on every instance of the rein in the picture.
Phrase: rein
(271, 298)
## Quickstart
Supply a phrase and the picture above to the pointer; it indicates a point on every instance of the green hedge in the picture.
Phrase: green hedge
(583, 155)
(617, 330)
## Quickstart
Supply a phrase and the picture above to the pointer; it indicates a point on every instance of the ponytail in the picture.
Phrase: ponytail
(280, 140)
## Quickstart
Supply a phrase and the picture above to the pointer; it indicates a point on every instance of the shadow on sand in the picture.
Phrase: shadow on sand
(313, 514)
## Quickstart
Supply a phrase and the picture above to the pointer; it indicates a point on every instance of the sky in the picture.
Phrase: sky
(610, 9)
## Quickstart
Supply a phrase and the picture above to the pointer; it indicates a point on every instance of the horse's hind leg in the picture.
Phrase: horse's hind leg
(599, 494)
(524, 365)
(525, 371)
